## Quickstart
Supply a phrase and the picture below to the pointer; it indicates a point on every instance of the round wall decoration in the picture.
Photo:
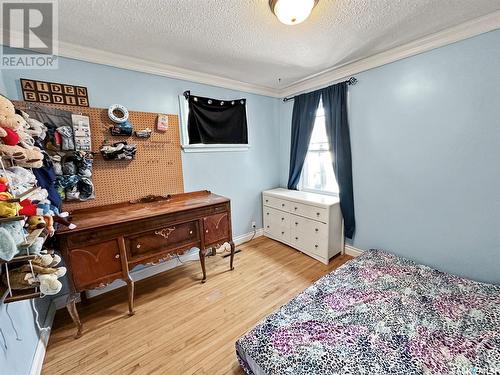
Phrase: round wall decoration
(118, 113)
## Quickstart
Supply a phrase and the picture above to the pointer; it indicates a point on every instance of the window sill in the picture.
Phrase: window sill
(323, 192)
(215, 148)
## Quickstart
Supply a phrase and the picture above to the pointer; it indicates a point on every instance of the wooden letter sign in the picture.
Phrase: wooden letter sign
(54, 93)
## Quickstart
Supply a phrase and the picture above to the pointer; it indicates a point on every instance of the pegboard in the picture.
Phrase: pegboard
(156, 169)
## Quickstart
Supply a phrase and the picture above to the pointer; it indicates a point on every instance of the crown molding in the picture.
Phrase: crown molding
(315, 81)
(77, 52)
(451, 35)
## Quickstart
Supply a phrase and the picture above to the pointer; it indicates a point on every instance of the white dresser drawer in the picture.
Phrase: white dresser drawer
(276, 203)
(316, 246)
(313, 212)
(272, 215)
(312, 228)
(278, 231)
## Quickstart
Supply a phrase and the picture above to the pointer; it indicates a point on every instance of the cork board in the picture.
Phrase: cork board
(156, 169)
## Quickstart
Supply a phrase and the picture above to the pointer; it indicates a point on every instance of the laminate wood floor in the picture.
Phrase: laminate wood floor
(182, 326)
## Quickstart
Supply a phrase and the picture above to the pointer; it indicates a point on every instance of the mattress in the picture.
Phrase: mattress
(380, 314)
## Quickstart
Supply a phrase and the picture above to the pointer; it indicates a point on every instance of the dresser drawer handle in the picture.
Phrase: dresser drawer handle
(282, 232)
(190, 232)
(296, 238)
(296, 223)
(267, 213)
(317, 213)
(295, 208)
(282, 218)
(138, 246)
(316, 246)
(267, 226)
(165, 232)
(282, 205)
(117, 256)
(206, 231)
(316, 230)
(267, 201)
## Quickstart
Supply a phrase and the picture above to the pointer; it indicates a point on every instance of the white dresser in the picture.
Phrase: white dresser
(309, 222)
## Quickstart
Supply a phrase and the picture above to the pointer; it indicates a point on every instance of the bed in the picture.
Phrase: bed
(380, 314)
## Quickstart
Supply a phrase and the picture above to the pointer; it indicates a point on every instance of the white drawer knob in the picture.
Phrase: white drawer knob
(117, 256)
(190, 232)
(206, 231)
(138, 246)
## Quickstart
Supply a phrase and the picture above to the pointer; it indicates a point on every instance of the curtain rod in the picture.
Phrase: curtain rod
(351, 81)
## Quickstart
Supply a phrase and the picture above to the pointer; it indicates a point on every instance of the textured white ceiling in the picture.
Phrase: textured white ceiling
(243, 40)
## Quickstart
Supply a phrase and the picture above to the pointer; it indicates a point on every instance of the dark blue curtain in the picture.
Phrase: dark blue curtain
(337, 130)
(303, 116)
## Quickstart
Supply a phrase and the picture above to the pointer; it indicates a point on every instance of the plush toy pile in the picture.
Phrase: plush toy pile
(27, 211)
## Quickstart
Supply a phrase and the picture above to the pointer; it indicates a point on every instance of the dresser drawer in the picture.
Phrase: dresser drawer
(161, 240)
(316, 246)
(313, 212)
(216, 228)
(312, 228)
(95, 264)
(272, 215)
(277, 231)
(280, 204)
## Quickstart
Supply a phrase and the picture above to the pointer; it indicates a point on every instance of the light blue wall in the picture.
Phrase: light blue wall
(425, 135)
(240, 176)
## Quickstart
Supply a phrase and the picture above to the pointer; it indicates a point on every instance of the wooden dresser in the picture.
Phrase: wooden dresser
(110, 240)
(309, 222)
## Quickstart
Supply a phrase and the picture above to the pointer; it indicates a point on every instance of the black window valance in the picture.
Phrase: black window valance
(215, 121)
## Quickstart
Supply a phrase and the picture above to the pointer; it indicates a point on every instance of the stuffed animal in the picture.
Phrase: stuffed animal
(8, 209)
(9, 136)
(35, 222)
(6, 106)
(46, 278)
(31, 158)
(14, 122)
(28, 208)
(12, 235)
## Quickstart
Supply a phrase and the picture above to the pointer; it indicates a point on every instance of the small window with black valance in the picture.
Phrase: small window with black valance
(213, 124)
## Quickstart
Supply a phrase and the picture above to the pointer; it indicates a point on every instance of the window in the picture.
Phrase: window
(317, 174)
(201, 147)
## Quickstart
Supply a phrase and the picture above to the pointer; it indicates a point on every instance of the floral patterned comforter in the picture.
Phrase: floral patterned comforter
(380, 314)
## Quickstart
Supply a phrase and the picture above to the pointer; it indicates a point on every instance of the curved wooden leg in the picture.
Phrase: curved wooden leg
(130, 287)
(73, 313)
(232, 255)
(202, 261)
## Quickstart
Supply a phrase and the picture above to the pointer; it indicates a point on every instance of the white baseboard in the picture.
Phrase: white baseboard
(36, 365)
(143, 273)
(352, 251)
(238, 240)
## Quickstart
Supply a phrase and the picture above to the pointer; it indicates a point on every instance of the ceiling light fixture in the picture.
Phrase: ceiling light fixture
(292, 12)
